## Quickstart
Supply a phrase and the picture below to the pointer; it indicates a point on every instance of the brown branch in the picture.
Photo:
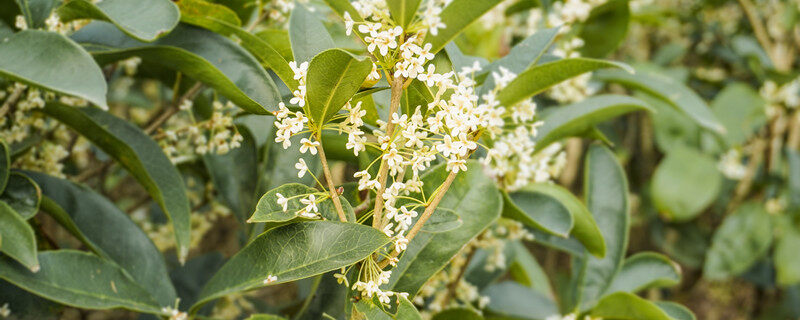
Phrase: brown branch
(743, 188)
(394, 104)
(332, 188)
(760, 32)
(452, 286)
(173, 109)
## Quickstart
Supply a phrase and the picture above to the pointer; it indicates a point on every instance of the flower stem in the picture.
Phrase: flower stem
(331, 187)
(394, 104)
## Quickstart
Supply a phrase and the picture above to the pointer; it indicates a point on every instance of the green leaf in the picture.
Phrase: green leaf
(49, 60)
(676, 311)
(743, 238)
(334, 76)
(519, 302)
(678, 95)
(25, 305)
(626, 306)
(403, 11)
(458, 314)
(81, 280)
(793, 179)
(22, 195)
(308, 35)
(144, 20)
(787, 261)
(109, 232)
(685, 183)
(199, 54)
(456, 17)
(293, 252)
(442, 220)
(645, 270)
(605, 29)
(606, 190)
(268, 210)
(540, 210)
(581, 117)
(19, 241)
(527, 271)
(342, 6)
(741, 110)
(140, 156)
(521, 57)
(5, 165)
(235, 174)
(543, 76)
(475, 198)
(220, 19)
(416, 95)
(405, 311)
(36, 11)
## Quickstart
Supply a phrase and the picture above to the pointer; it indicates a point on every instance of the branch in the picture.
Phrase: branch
(332, 188)
(173, 109)
(394, 104)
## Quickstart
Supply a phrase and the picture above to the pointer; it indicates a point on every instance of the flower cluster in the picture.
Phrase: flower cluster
(216, 135)
(786, 96)
(730, 164)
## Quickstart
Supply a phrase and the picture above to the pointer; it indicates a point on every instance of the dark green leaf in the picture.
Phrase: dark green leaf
(268, 210)
(334, 76)
(605, 29)
(235, 174)
(456, 17)
(144, 20)
(5, 165)
(109, 232)
(293, 252)
(743, 238)
(80, 280)
(475, 199)
(36, 11)
(308, 35)
(22, 195)
(539, 210)
(543, 76)
(403, 11)
(626, 306)
(645, 270)
(140, 155)
(606, 190)
(442, 220)
(405, 311)
(677, 94)
(685, 183)
(49, 60)
(25, 305)
(676, 311)
(200, 54)
(579, 118)
(527, 271)
(519, 302)
(18, 240)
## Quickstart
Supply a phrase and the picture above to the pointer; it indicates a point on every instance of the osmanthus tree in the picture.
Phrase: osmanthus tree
(366, 170)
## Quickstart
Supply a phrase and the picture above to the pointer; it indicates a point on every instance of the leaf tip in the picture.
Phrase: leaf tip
(36, 268)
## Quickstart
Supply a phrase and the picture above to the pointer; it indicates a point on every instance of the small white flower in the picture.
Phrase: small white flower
(5, 311)
(311, 204)
(302, 167)
(270, 279)
(299, 70)
(308, 145)
(283, 202)
(456, 165)
(348, 23)
(174, 314)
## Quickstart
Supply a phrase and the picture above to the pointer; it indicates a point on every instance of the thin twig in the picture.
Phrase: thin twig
(743, 188)
(452, 286)
(172, 110)
(332, 188)
(760, 32)
(394, 104)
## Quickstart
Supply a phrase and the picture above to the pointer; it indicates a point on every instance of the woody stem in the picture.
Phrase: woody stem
(331, 188)
(394, 104)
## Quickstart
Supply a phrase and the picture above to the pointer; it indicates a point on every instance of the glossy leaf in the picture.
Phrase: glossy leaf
(109, 232)
(685, 183)
(441, 221)
(626, 306)
(342, 6)
(405, 310)
(80, 280)
(293, 252)
(475, 199)
(416, 95)
(522, 56)
(744, 237)
(605, 29)
(645, 270)
(456, 17)
(741, 110)
(18, 240)
(139, 155)
(677, 94)
(22, 195)
(516, 301)
(144, 20)
(199, 54)
(676, 311)
(606, 190)
(36, 11)
(268, 210)
(527, 271)
(308, 35)
(334, 76)
(27, 305)
(543, 76)
(220, 19)
(403, 11)
(578, 118)
(49, 60)
(539, 210)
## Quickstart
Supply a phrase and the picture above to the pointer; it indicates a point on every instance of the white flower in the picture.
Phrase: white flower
(300, 71)
(308, 145)
(371, 28)
(283, 202)
(270, 279)
(174, 314)
(311, 204)
(400, 244)
(374, 75)
(341, 278)
(5, 311)
(456, 165)
(502, 79)
(302, 167)
(348, 23)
